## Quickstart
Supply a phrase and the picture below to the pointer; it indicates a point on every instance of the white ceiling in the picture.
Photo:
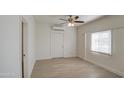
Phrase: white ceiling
(54, 19)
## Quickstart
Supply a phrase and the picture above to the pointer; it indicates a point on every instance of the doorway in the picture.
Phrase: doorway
(24, 49)
(57, 44)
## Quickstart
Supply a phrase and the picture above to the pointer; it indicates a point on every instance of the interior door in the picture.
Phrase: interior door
(58, 44)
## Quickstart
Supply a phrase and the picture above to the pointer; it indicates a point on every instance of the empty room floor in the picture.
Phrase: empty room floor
(69, 68)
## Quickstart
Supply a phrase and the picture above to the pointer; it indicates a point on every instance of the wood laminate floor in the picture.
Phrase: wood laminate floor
(69, 68)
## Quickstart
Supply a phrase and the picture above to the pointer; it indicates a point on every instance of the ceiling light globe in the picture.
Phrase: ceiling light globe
(72, 24)
(69, 24)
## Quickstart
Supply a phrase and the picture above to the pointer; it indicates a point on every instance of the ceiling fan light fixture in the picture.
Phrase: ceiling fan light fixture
(69, 24)
(71, 20)
(72, 24)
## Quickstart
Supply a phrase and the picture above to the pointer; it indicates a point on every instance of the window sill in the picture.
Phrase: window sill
(101, 53)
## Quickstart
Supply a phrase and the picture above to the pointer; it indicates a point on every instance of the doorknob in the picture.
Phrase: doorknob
(24, 55)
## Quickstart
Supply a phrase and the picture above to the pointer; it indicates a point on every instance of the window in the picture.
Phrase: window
(101, 42)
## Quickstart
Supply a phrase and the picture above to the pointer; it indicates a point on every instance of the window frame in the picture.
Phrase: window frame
(98, 52)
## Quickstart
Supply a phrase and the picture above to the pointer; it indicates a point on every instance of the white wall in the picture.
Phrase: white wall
(43, 41)
(70, 42)
(113, 63)
(81, 44)
(10, 45)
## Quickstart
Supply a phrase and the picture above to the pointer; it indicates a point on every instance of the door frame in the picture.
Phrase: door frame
(22, 63)
(24, 26)
(52, 48)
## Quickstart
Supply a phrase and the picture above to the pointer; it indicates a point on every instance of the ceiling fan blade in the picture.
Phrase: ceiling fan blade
(76, 17)
(63, 19)
(79, 21)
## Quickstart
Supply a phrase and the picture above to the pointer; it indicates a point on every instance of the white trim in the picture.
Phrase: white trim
(85, 48)
(20, 43)
(43, 58)
(9, 75)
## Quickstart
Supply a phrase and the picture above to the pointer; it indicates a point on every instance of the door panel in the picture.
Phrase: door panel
(58, 44)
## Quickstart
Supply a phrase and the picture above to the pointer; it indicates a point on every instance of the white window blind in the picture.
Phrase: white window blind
(101, 42)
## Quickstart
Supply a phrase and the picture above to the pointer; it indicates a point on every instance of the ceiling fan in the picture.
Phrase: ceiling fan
(71, 20)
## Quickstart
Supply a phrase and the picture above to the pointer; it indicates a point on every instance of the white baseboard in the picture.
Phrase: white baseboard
(51, 58)
(9, 75)
(69, 56)
(43, 58)
(105, 67)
